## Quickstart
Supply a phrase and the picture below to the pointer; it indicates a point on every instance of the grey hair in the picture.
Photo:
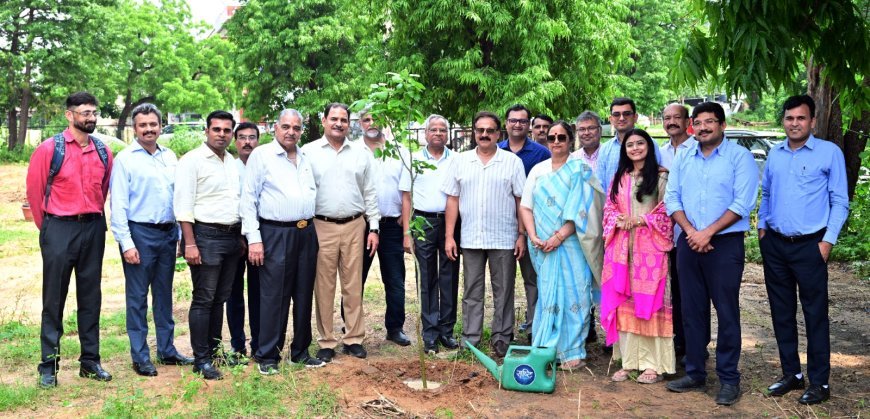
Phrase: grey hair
(291, 112)
(435, 117)
(588, 116)
(145, 109)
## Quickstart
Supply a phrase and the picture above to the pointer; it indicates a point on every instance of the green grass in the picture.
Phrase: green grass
(132, 403)
(15, 395)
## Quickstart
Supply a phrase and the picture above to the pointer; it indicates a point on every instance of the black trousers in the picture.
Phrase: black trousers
(236, 307)
(68, 246)
(679, 331)
(287, 275)
(713, 276)
(439, 282)
(793, 270)
(391, 256)
(212, 282)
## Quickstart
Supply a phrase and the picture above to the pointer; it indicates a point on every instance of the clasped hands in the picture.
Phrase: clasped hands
(547, 245)
(626, 222)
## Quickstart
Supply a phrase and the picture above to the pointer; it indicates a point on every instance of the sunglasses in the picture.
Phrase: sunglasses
(562, 138)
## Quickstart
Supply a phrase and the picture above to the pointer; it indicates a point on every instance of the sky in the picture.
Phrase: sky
(209, 11)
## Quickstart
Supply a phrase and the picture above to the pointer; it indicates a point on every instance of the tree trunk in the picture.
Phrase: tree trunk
(24, 114)
(12, 121)
(313, 131)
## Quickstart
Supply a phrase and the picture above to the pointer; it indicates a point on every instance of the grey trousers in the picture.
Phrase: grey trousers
(502, 269)
(530, 284)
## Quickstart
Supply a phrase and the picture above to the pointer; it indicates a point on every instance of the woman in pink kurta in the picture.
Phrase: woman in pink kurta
(635, 297)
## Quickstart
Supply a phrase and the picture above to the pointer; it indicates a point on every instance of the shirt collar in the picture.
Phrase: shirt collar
(444, 155)
(135, 146)
(506, 144)
(497, 157)
(326, 144)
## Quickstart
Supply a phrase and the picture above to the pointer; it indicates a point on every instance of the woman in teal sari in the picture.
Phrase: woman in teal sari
(561, 209)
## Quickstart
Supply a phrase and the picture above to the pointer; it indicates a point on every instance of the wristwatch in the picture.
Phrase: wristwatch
(374, 230)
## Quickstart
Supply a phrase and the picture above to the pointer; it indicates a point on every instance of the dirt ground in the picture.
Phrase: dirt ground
(374, 387)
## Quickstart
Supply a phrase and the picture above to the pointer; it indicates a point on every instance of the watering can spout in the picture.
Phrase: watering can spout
(487, 362)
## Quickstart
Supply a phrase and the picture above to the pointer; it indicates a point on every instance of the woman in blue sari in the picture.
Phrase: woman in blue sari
(561, 209)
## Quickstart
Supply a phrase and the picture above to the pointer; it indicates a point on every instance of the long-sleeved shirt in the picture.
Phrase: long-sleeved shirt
(276, 189)
(608, 161)
(705, 187)
(206, 187)
(487, 198)
(428, 196)
(531, 154)
(345, 180)
(804, 190)
(80, 187)
(142, 185)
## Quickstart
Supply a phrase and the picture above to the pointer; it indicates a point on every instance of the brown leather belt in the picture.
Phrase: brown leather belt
(300, 224)
(79, 218)
(338, 220)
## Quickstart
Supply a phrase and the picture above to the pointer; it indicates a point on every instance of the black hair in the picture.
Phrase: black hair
(332, 105)
(485, 114)
(798, 100)
(80, 98)
(146, 109)
(246, 125)
(568, 128)
(619, 101)
(649, 173)
(517, 108)
(544, 117)
(710, 107)
(219, 115)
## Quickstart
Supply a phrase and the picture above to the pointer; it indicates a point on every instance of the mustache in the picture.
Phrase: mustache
(672, 126)
(705, 132)
(247, 147)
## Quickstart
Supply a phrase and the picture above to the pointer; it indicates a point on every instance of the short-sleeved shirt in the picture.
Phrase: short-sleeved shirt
(207, 187)
(428, 196)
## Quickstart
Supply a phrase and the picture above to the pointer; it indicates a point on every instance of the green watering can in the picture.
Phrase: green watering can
(525, 368)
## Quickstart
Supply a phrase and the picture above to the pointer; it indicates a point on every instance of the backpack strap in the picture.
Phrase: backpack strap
(56, 163)
(101, 151)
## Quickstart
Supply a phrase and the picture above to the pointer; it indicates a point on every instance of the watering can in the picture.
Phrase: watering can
(526, 368)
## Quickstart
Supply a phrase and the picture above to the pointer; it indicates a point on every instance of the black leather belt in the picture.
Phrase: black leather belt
(300, 224)
(157, 226)
(338, 220)
(80, 218)
(229, 228)
(429, 214)
(798, 238)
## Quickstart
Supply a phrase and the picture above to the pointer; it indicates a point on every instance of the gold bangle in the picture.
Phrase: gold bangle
(559, 236)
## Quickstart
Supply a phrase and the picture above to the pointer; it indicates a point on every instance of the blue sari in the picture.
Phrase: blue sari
(565, 277)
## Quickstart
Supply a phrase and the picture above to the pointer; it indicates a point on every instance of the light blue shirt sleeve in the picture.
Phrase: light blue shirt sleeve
(673, 197)
(120, 204)
(839, 197)
(764, 206)
(745, 183)
(248, 202)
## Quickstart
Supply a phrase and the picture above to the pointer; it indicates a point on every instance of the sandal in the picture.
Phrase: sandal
(572, 365)
(649, 377)
(620, 376)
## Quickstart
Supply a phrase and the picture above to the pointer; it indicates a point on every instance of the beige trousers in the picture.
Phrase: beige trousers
(341, 252)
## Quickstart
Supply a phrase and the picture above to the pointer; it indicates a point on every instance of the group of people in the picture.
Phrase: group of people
(650, 235)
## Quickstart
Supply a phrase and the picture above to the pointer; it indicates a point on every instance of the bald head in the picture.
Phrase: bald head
(676, 121)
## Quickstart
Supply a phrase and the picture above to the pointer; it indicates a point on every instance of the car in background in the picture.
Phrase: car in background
(196, 128)
(758, 142)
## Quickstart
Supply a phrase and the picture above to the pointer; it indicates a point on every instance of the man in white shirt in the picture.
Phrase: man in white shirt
(277, 210)
(484, 186)
(345, 192)
(207, 206)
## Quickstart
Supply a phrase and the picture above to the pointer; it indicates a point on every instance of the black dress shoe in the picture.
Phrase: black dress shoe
(728, 394)
(145, 369)
(686, 384)
(815, 394)
(326, 354)
(398, 337)
(177, 359)
(355, 349)
(309, 362)
(430, 347)
(785, 384)
(208, 371)
(47, 380)
(95, 371)
(448, 342)
(499, 349)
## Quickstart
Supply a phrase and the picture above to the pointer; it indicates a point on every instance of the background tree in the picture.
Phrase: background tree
(556, 56)
(750, 45)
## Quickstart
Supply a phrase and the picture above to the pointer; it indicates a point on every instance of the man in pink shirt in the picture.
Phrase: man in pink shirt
(68, 210)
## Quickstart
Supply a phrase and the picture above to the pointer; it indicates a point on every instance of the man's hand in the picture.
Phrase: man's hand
(372, 244)
(408, 244)
(825, 250)
(191, 255)
(255, 254)
(131, 256)
(520, 247)
(699, 240)
(450, 248)
(761, 233)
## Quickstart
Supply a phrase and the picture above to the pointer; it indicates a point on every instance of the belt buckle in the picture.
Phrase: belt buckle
(80, 217)
(301, 224)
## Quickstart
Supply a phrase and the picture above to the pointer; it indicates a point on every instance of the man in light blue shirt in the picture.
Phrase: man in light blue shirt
(143, 223)
(804, 203)
(623, 116)
(711, 191)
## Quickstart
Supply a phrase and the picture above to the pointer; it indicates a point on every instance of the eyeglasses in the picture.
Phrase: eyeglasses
(438, 130)
(247, 138)
(562, 138)
(518, 121)
(87, 114)
(698, 123)
(218, 130)
(584, 130)
(624, 114)
(481, 131)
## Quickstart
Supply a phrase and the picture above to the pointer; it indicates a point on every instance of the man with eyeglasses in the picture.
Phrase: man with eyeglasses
(588, 127)
(531, 153)
(143, 180)
(490, 229)
(439, 275)
(277, 209)
(68, 209)
(247, 137)
(623, 116)
(540, 125)
(711, 191)
(207, 206)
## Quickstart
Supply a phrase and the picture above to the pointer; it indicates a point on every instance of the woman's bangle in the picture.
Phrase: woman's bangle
(559, 236)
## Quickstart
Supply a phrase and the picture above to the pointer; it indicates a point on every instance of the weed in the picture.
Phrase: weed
(321, 401)
(443, 412)
(14, 395)
(191, 388)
